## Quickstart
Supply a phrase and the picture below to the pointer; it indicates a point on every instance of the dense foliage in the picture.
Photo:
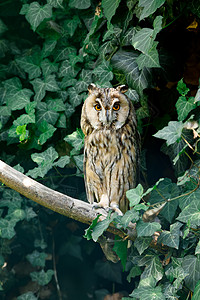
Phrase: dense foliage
(49, 52)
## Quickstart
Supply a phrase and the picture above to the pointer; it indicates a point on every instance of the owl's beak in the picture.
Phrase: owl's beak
(107, 116)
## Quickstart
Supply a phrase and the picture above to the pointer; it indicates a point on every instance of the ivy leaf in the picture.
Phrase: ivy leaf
(147, 293)
(48, 68)
(196, 294)
(191, 266)
(130, 216)
(143, 40)
(103, 72)
(67, 70)
(120, 248)
(149, 7)
(71, 24)
(134, 195)
(109, 8)
(55, 3)
(16, 97)
(27, 296)
(153, 271)
(35, 13)
(80, 4)
(44, 161)
(74, 98)
(37, 258)
(171, 238)
(47, 131)
(42, 277)
(62, 162)
(171, 133)
(184, 106)
(89, 230)
(7, 229)
(45, 114)
(79, 161)
(28, 65)
(126, 62)
(22, 132)
(142, 243)
(48, 47)
(147, 229)
(191, 213)
(182, 88)
(101, 226)
(75, 139)
(149, 59)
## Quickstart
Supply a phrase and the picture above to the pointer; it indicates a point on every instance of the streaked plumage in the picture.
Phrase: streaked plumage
(111, 147)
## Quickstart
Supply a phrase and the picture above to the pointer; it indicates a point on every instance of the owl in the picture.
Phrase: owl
(111, 147)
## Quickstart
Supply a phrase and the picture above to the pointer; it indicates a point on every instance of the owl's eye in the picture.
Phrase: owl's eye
(116, 106)
(97, 107)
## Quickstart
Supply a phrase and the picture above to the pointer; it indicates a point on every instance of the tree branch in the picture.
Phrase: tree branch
(58, 202)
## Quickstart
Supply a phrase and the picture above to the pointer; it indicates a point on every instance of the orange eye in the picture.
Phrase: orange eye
(116, 106)
(97, 107)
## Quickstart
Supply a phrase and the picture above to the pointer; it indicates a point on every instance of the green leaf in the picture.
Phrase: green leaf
(109, 8)
(47, 131)
(75, 139)
(135, 271)
(126, 62)
(42, 277)
(153, 271)
(16, 97)
(22, 132)
(149, 59)
(149, 7)
(62, 162)
(27, 296)
(147, 229)
(130, 216)
(192, 213)
(37, 258)
(48, 46)
(7, 229)
(191, 265)
(182, 88)
(134, 195)
(44, 161)
(35, 13)
(47, 68)
(67, 70)
(80, 4)
(71, 24)
(196, 294)
(55, 3)
(171, 238)
(142, 243)
(28, 65)
(147, 293)
(167, 190)
(184, 106)
(89, 230)
(120, 247)
(171, 133)
(101, 226)
(103, 72)
(45, 114)
(74, 98)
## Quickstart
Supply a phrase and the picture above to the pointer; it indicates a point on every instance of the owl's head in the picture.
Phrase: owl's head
(107, 107)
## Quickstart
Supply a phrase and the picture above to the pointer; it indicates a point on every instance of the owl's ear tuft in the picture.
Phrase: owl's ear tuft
(91, 87)
(122, 88)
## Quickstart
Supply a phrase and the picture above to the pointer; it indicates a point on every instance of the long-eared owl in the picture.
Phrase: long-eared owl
(111, 148)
